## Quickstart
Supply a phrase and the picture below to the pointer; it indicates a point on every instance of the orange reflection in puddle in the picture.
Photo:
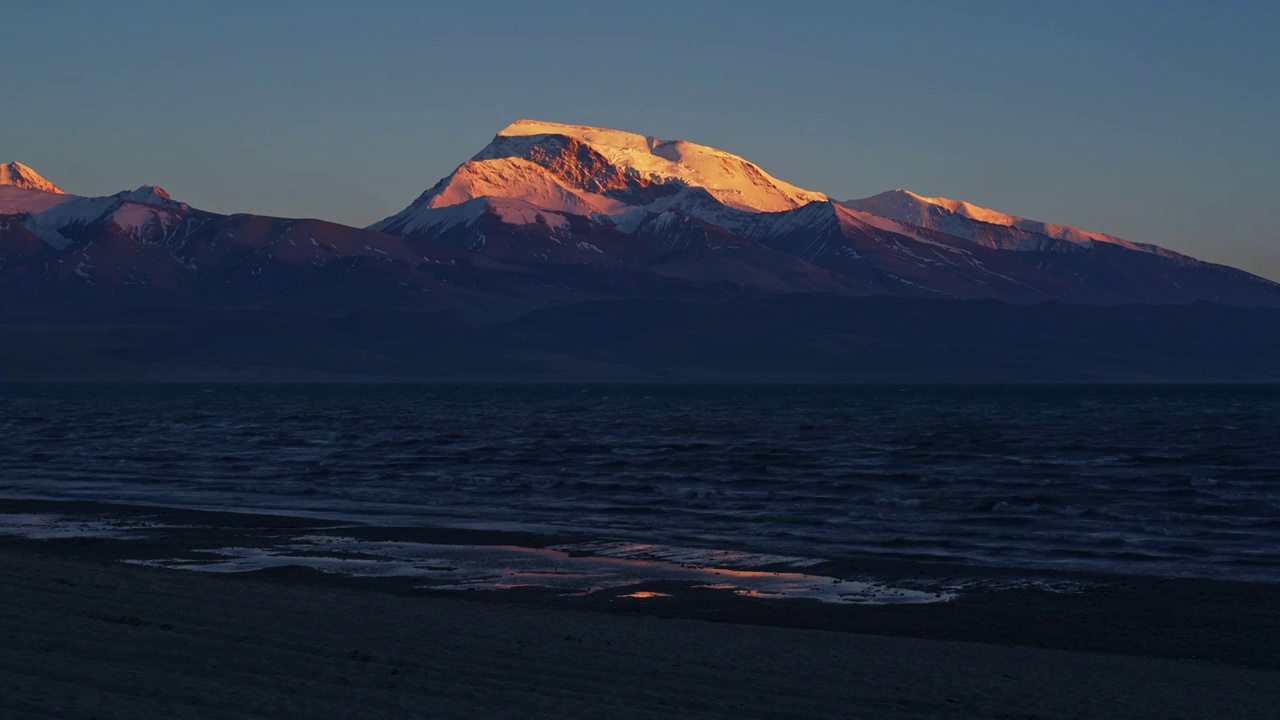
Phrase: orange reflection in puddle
(572, 571)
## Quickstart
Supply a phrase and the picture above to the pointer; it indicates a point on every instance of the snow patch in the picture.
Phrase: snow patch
(49, 224)
(21, 201)
(524, 213)
(956, 217)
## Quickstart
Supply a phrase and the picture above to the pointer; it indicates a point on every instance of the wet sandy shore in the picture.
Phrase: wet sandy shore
(88, 636)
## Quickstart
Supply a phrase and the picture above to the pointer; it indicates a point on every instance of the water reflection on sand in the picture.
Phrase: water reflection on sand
(569, 569)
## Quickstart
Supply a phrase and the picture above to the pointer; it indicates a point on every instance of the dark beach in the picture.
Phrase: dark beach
(88, 635)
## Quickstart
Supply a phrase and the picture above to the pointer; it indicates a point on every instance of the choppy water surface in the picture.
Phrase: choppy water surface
(1167, 480)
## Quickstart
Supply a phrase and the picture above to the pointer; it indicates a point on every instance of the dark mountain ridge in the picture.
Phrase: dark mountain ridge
(781, 338)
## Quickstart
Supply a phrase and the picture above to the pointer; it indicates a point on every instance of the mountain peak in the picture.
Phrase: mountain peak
(648, 161)
(906, 199)
(149, 194)
(20, 176)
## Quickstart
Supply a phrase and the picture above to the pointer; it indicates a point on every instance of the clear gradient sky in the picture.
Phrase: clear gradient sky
(1155, 121)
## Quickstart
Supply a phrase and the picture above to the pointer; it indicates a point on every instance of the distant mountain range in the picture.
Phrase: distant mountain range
(680, 212)
(548, 213)
(553, 216)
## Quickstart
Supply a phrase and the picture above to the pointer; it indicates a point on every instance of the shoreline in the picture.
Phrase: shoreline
(96, 638)
(1228, 623)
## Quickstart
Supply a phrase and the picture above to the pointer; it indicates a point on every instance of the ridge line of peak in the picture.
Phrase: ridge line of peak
(906, 206)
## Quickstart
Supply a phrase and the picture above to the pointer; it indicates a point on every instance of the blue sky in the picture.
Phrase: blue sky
(1154, 121)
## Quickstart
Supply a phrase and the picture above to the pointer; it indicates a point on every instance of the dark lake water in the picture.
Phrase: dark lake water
(1154, 479)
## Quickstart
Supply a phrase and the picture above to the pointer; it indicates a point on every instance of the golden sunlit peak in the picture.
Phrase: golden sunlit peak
(20, 176)
(730, 179)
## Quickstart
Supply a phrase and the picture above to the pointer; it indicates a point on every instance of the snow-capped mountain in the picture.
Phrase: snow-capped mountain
(610, 176)
(570, 252)
(573, 194)
(17, 175)
(60, 218)
(142, 248)
(549, 213)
